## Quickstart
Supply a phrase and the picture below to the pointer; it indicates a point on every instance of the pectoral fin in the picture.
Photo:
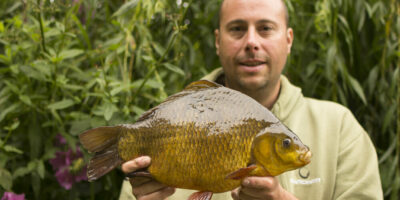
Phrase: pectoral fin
(201, 196)
(241, 173)
(140, 173)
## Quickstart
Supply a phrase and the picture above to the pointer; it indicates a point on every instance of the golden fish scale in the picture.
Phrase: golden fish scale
(190, 145)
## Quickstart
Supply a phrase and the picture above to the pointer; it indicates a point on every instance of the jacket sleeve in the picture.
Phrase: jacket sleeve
(357, 168)
(126, 191)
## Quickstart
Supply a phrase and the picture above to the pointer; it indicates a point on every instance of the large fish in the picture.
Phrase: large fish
(206, 137)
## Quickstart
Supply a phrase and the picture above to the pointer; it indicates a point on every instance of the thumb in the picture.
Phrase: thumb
(135, 164)
(235, 194)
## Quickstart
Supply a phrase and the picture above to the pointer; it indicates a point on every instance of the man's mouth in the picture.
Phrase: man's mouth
(252, 63)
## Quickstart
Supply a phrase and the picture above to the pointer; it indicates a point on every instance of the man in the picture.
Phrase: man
(253, 41)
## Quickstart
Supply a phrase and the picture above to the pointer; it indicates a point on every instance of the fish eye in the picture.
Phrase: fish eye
(286, 143)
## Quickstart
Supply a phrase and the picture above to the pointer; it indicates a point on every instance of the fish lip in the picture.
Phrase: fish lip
(306, 157)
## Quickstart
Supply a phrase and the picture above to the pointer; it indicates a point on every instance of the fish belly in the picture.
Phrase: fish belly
(190, 156)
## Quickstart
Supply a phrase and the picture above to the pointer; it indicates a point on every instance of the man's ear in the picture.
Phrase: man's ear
(289, 39)
(216, 33)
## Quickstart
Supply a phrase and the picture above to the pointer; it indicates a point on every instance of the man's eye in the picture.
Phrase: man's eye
(236, 28)
(265, 28)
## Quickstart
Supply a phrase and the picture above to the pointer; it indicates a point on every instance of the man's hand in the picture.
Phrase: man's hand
(262, 188)
(145, 188)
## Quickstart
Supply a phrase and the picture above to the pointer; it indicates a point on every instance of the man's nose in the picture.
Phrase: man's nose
(252, 43)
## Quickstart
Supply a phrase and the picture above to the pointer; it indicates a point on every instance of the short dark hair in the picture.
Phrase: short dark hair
(284, 7)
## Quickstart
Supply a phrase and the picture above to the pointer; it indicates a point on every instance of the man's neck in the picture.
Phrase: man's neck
(266, 96)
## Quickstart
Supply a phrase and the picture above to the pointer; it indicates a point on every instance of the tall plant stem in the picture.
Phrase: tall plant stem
(5, 139)
(397, 10)
(39, 16)
(171, 42)
(153, 66)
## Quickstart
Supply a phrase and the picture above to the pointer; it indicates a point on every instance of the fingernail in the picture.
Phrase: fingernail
(144, 160)
(170, 190)
(246, 182)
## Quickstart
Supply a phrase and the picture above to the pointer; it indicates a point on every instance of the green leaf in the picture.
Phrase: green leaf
(9, 109)
(174, 68)
(127, 7)
(117, 90)
(52, 32)
(150, 83)
(25, 99)
(5, 179)
(14, 7)
(61, 104)
(12, 87)
(139, 111)
(4, 59)
(4, 99)
(73, 87)
(40, 169)
(13, 126)
(79, 126)
(36, 184)
(159, 49)
(35, 136)
(1, 27)
(21, 171)
(33, 73)
(357, 87)
(82, 29)
(70, 53)
(154, 84)
(12, 149)
(97, 121)
(109, 111)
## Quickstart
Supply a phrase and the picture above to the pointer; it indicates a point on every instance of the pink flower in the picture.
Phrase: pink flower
(12, 196)
(69, 167)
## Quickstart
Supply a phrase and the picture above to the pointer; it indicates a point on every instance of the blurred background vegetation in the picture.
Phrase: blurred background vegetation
(69, 65)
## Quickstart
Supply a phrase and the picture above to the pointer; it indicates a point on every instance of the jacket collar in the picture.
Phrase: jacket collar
(289, 97)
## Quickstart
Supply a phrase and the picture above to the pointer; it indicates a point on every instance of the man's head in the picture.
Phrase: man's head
(253, 41)
(285, 7)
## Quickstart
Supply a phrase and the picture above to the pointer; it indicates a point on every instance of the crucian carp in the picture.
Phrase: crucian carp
(207, 138)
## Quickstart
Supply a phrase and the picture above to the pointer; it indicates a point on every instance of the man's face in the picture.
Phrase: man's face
(253, 43)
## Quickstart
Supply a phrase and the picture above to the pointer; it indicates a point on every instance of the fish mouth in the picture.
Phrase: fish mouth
(305, 157)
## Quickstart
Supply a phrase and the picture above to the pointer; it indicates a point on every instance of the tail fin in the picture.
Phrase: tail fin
(102, 141)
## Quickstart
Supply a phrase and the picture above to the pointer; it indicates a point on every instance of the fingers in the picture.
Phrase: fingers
(160, 194)
(235, 194)
(147, 187)
(258, 188)
(260, 182)
(135, 164)
(238, 194)
(137, 181)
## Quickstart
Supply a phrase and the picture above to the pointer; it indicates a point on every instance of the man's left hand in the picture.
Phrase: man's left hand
(262, 188)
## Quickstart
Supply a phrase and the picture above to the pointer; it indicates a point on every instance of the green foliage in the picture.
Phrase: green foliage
(67, 66)
(348, 51)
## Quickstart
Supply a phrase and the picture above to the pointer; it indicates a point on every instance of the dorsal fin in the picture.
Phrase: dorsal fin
(147, 115)
(201, 84)
(194, 86)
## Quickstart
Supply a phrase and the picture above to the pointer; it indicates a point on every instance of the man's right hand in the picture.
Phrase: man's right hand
(145, 188)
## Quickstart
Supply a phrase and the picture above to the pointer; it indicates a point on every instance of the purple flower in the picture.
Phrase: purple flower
(12, 196)
(69, 166)
(60, 140)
